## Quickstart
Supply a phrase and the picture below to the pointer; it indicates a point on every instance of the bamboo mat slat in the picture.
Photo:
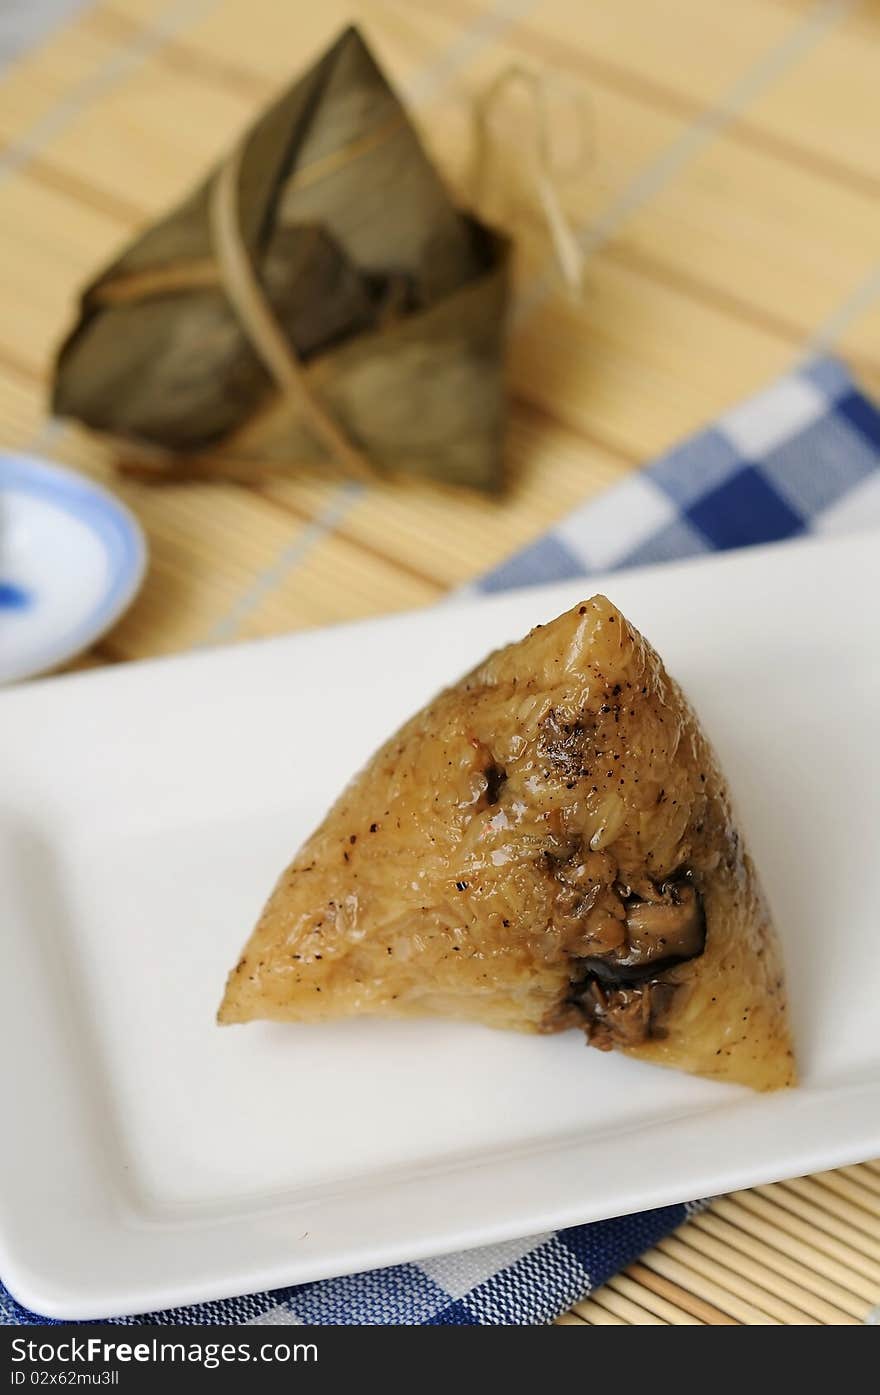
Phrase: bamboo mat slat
(729, 212)
(738, 1262)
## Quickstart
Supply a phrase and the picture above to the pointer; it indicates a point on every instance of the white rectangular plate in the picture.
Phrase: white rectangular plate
(151, 1158)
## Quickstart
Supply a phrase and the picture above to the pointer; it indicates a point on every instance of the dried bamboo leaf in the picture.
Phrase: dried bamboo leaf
(391, 300)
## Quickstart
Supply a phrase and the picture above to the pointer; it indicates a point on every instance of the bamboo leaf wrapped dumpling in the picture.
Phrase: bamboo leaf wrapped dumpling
(328, 232)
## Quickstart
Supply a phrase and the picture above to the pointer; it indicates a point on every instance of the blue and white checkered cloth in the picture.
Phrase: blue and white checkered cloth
(803, 456)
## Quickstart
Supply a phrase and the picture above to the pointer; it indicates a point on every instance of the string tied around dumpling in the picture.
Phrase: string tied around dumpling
(546, 171)
(268, 340)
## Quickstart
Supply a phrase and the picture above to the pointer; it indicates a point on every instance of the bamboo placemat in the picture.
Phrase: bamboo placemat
(804, 1252)
(729, 214)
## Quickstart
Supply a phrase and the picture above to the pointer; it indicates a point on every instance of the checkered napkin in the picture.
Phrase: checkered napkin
(803, 456)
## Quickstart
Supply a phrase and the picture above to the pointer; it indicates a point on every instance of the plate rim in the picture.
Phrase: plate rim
(40, 1292)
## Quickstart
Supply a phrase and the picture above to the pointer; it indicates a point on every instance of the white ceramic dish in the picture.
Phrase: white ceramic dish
(151, 1158)
(72, 559)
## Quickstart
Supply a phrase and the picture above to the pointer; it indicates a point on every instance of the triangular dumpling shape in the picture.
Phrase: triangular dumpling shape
(548, 844)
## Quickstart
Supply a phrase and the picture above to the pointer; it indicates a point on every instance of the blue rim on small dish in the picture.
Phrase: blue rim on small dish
(114, 527)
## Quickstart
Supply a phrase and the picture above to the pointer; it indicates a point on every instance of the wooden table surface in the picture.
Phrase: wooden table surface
(728, 210)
